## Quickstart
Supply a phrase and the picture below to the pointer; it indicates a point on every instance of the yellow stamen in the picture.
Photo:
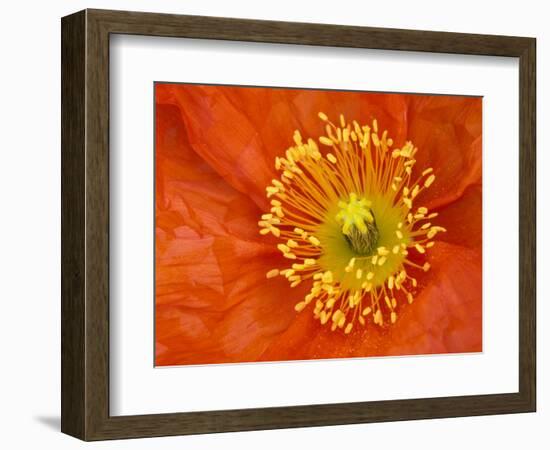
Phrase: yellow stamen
(272, 273)
(326, 141)
(346, 217)
(429, 181)
(314, 240)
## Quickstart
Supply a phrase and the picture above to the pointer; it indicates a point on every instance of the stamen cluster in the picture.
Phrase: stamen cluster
(347, 220)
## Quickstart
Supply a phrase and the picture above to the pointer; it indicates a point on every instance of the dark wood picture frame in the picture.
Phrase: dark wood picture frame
(85, 224)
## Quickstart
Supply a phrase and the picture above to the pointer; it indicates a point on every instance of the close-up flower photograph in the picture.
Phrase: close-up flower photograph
(301, 224)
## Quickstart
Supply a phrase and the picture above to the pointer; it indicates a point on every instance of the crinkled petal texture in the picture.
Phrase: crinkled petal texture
(212, 300)
(215, 151)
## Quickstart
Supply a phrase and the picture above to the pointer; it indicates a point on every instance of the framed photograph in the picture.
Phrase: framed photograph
(271, 225)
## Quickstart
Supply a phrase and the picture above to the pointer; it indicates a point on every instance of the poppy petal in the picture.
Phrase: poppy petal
(446, 316)
(210, 260)
(447, 132)
(214, 304)
(189, 192)
(463, 219)
(222, 135)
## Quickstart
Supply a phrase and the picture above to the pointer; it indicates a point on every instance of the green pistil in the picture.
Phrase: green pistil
(363, 243)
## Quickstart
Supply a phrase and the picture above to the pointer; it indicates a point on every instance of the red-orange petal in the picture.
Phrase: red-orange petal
(214, 304)
(447, 132)
(463, 219)
(446, 316)
(212, 300)
(221, 134)
(190, 193)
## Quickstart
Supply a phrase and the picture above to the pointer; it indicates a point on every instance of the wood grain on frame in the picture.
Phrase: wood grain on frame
(85, 224)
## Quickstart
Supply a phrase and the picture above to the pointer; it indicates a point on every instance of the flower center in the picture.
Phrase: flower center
(358, 224)
(347, 221)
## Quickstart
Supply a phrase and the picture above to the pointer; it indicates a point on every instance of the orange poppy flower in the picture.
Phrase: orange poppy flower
(217, 150)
